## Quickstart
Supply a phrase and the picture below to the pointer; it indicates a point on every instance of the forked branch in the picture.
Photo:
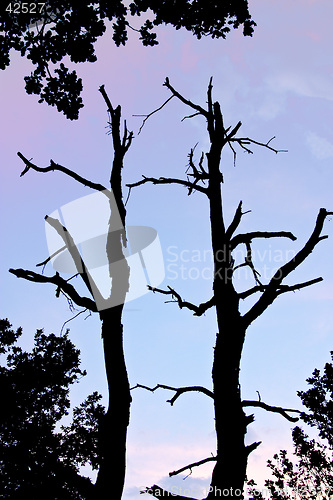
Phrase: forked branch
(194, 464)
(198, 310)
(235, 221)
(178, 390)
(56, 167)
(146, 117)
(72, 249)
(274, 288)
(248, 237)
(60, 283)
(189, 103)
(275, 409)
(281, 289)
(248, 262)
(166, 180)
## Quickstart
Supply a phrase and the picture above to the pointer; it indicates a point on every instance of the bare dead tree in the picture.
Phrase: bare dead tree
(113, 429)
(230, 419)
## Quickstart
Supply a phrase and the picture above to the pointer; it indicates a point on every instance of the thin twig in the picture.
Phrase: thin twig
(70, 319)
(194, 464)
(153, 112)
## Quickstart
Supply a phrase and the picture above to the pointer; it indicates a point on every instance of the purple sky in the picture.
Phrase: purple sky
(277, 83)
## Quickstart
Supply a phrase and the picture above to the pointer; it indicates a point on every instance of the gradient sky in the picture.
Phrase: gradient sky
(278, 83)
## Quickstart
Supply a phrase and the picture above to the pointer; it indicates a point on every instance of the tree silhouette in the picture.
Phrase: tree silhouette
(39, 459)
(312, 475)
(206, 178)
(113, 425)
(48, 32)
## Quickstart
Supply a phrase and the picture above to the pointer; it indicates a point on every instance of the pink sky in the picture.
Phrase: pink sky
(277, 83)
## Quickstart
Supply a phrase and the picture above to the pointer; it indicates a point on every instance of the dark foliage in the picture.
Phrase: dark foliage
(71, 29)
(311, 476)
(40, 459)
(319, 400)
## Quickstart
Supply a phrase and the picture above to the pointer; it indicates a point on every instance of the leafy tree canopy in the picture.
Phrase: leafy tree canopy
(39, 458)
(49, 32)
(311, 476)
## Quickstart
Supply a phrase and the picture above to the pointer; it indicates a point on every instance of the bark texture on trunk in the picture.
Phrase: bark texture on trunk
(113, 428)
(230, 421)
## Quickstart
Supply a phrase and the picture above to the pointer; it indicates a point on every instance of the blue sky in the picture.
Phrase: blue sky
(278, 83)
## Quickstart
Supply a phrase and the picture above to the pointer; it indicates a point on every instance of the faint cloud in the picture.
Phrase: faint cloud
(186, 485)
(143, 469)
(303, 83)
(272, 105)
(320, 147)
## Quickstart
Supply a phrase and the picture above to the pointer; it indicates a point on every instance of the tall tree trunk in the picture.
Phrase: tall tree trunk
(230, 421)
(113, 428)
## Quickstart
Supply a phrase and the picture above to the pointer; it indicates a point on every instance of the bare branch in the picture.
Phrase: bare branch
(54, 166)
(251, 447)
(120, 146)
(166, 180)
(71, 319)
(233, 132)
(274, 409)
(178, 390)
(198, 175)
(74, 252)
(61, 284)
(106, 98)
(146, 117)
(281, 289)
(189, 103)
(298, 286)
(198, 310)
(190, 116)
(210, 115)
(235, 222)
(248, 237)
(273, 288)
(51, 257)
(127, 138)
(249, 262)
(251, 291)
(194, 464)
(245, 141)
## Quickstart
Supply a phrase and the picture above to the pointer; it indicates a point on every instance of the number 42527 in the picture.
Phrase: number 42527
(25, 8)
